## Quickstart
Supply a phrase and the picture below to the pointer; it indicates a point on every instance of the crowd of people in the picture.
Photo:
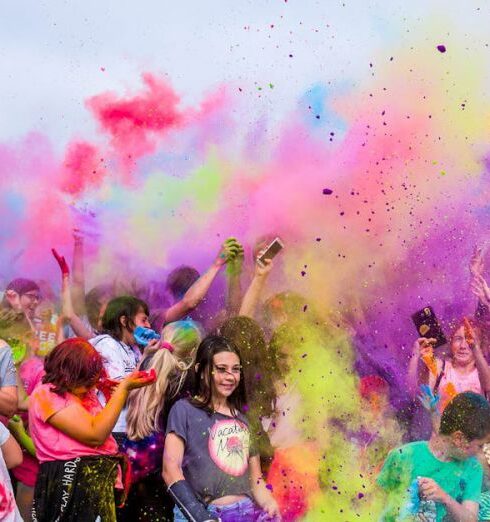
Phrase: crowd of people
(153, 402)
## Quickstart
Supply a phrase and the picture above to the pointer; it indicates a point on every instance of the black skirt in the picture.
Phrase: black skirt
(78, 490)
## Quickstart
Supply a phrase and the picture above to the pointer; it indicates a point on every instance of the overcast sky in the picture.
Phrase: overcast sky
(54, 54)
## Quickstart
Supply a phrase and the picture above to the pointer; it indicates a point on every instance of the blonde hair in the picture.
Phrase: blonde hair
(184, 336)
(145, 405)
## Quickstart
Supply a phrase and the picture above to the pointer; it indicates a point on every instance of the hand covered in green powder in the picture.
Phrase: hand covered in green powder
(228, 251)
(235, 264)
(16, 426)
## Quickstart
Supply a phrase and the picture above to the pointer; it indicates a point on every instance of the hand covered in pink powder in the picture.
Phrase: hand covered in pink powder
(139, 379)
(65, 270)
(107, 387)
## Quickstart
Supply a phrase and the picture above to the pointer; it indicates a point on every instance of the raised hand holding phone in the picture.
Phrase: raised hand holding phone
(263, 269)
(428, 326)
(270, 251)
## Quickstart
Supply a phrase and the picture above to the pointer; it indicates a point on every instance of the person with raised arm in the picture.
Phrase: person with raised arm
(256, 288)
(79, 327)
(234, 269)
(188, 289)
(465, 370)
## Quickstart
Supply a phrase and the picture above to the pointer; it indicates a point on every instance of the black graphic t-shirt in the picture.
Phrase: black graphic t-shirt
(217, 449)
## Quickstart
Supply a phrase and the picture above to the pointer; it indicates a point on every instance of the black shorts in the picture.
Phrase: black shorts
(76, 490)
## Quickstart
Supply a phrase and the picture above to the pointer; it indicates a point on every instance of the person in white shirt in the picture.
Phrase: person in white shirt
(117, 345)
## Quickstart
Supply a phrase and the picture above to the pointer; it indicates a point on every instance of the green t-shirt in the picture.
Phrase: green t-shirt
(462, 479)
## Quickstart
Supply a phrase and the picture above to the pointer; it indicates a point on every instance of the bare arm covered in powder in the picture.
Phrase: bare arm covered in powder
(199, 289)
(93, 430)
(78, 326)
(254, 291)
(418, 371)
(234, 293)
(78, 276)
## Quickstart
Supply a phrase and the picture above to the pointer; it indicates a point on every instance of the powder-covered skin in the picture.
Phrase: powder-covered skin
(379, 202)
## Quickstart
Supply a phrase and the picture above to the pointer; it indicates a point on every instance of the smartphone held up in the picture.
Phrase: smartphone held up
(270, 252)
(428, 326)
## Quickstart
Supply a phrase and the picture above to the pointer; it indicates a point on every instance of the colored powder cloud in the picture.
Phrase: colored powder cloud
(133, 123)
(164, 185)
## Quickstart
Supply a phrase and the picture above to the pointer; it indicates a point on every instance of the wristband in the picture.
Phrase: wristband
(185, 498)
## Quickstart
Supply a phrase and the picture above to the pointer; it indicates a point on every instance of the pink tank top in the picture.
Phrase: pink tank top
(462, 382)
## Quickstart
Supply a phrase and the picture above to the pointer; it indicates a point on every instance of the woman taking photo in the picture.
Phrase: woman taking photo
(210, 466)
(72, 435)
(464, 370)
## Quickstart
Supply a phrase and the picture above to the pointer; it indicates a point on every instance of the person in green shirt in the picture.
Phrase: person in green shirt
(440, 479)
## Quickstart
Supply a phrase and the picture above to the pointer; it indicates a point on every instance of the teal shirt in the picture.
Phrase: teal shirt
(462, 479)
(484, 513)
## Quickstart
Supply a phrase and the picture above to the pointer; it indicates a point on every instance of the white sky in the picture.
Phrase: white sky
(51, 52)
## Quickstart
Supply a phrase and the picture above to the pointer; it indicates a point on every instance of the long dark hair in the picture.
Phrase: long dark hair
(125, 306)
(202, 391)
(74, 362)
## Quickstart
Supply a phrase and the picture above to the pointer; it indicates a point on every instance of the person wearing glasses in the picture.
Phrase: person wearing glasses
(23, 295)
(210, 463)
